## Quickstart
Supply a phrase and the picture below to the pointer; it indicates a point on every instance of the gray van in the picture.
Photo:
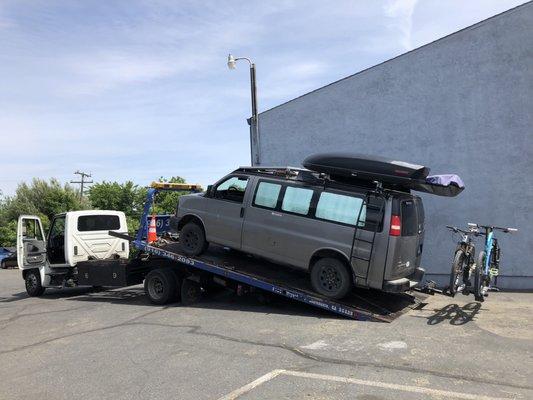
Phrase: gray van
(345, 231)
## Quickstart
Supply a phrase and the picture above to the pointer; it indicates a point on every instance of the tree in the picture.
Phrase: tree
(129, 198)
(166, 202)
(41, 198)
(48, 198)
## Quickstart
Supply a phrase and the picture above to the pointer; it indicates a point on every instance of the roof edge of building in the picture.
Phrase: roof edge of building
(436, 41)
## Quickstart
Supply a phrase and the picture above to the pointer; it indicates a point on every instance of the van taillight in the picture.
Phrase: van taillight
(395, 225)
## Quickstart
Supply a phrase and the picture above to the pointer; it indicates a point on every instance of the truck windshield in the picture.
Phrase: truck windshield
(98, 223)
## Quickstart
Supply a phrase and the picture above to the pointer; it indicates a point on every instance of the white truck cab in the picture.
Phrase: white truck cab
(75, 236)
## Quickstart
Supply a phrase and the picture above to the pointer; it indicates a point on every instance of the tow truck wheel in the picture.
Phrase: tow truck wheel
(160, 286)
(34, 287)
(330, 277)
(190, 292)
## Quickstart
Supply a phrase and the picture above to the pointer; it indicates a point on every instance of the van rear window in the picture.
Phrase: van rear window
(98, 223)
(409, 218)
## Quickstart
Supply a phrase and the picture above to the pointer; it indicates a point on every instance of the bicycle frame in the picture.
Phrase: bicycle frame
(489, 242)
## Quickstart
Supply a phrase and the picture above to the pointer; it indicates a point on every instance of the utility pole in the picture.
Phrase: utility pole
(82, 181)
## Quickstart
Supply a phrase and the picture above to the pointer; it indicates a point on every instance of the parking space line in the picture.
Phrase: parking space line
(382, 385)
(252, 385)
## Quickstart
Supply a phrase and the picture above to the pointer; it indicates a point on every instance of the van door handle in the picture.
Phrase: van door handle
(276, 214)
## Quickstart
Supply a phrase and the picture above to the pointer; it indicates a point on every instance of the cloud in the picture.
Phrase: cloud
(401, 12)
(100, 71)
(138, 89)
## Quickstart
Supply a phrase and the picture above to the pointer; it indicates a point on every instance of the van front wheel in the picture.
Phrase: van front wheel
(330, 277)
(192, 239)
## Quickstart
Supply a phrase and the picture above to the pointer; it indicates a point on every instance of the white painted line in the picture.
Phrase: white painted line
(384, 385)
(252, 385)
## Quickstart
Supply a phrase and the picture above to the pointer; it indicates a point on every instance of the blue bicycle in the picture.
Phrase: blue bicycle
(488, 261)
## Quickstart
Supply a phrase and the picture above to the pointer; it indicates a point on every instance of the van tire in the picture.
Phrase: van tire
(34, 287)
(331, 278)
(160, 286)
(192, 239)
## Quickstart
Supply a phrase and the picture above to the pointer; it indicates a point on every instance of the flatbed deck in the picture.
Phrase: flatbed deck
(361, 304)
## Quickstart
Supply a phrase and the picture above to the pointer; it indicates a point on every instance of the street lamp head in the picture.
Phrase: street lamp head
(231, 61)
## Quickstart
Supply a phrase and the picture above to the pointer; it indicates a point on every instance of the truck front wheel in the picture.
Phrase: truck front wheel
(160, 286)
(34, 286)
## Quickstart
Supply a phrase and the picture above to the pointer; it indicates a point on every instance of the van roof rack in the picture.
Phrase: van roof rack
(273, 170)
(307, 175)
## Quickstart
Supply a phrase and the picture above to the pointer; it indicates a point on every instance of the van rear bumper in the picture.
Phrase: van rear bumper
(404, 284)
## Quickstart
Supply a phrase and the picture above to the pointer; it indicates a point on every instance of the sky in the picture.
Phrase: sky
(138, 89)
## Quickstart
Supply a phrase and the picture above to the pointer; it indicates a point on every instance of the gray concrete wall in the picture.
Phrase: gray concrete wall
(462, 104)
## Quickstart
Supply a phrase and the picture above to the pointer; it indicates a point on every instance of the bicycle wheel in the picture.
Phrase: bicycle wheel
(457, 271)
(479, 276)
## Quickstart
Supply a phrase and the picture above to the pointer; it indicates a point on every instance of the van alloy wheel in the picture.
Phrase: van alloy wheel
(190, 240)
(330, 278)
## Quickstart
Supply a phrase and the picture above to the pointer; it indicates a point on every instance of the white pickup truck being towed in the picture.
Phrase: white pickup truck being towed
(74, 237)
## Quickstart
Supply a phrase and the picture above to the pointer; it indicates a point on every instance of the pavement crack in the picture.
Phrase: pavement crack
(102, 328)
(19, 314)
(197, 330)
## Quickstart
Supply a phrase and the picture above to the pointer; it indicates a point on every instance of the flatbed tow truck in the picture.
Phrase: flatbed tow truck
(169, 275)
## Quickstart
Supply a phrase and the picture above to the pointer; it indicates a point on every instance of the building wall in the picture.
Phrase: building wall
(462, 104)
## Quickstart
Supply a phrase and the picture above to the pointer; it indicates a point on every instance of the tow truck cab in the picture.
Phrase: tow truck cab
(73, 237)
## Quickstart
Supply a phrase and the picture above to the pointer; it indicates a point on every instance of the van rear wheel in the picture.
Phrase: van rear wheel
(330, 277)
(192, 239)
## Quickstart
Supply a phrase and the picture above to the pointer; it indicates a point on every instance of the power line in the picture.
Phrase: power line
(82, 182)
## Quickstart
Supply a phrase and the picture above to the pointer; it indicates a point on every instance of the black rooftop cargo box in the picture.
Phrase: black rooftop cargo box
(396, 174)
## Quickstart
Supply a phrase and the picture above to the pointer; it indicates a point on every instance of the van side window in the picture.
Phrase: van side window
(232, 189)
(297, 200)
(267, 194)
(340, 208)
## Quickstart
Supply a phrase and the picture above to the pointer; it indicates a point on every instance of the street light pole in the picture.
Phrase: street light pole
(254, 120)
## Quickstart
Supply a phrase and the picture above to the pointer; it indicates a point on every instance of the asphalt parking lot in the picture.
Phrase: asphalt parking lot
(83, 344)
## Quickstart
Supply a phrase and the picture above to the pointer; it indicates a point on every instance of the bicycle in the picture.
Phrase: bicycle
(463, 261)
(488, 261)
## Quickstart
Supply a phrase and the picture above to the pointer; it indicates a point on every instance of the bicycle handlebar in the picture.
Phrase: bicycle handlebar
(456, 229)
(506, 230)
